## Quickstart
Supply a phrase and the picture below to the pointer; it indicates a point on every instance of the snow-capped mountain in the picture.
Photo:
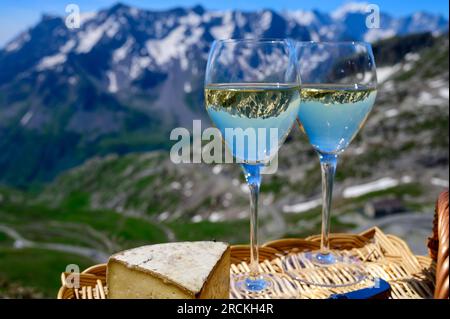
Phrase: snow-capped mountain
(128, 46)
(127, 76)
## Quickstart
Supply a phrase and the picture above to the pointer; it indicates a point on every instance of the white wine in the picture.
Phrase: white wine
(331, 115)
(267, 110)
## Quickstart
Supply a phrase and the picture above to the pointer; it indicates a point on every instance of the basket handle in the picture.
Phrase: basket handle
(438, 246)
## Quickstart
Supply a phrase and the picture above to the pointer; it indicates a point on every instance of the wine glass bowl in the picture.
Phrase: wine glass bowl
(263, 111)
(252, 84)
(338, 92)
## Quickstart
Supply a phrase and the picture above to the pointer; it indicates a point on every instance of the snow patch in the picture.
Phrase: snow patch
(406, 179)
(215, 217)
(26, 118)
(266, 20)
(444, 92)
(217, 169)
(113, 29)
(174, 45)
(434, 84)
(52, 61)
(88, 39)
(112, 86)
(187, 87)
(240, 19)
(439, 182)
(245, 189)
(69, 45)
(191, 19)
(134, 12)
(374, 35)
(351, 7)
(391, 112)
(426, 98)
(412, 57)
(121, 53)
(17, 43)
(329, 31)
(302, 17)
(175, 185)
(242, 214)
(222, 32)
(58, 58)
(197, 219)
(167, 48)
(378, 185)
(385, 72)
(407, 67)
(137, 65)
(72, 80)
(225, 30)
(163, 216)
(302, 207)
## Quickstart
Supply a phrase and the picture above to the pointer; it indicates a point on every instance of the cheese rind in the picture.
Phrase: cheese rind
(171, 270)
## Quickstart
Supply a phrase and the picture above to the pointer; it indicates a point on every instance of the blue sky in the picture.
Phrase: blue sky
(17, 15)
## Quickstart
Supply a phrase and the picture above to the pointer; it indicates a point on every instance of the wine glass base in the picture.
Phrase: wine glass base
(333, 269)
(321, 259)
(253, 285)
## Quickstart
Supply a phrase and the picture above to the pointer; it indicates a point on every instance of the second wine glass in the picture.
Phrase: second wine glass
(338, 93)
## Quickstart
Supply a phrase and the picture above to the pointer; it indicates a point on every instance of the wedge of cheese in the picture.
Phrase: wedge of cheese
(184, 270)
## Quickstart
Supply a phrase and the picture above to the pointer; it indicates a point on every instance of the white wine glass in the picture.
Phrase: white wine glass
(252, 95)
(339, 87)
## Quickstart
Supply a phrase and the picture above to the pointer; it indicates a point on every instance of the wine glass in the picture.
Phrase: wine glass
(339, 87)
(252, 95)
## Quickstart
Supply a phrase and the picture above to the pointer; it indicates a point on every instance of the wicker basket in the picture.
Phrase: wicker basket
(438, 246)
(410, 276)
(385, 256)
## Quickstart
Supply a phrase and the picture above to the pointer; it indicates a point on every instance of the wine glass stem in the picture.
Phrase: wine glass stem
(253, 177)
(328, 167)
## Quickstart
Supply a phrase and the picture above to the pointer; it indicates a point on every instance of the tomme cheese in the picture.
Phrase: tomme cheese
(172, 270)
